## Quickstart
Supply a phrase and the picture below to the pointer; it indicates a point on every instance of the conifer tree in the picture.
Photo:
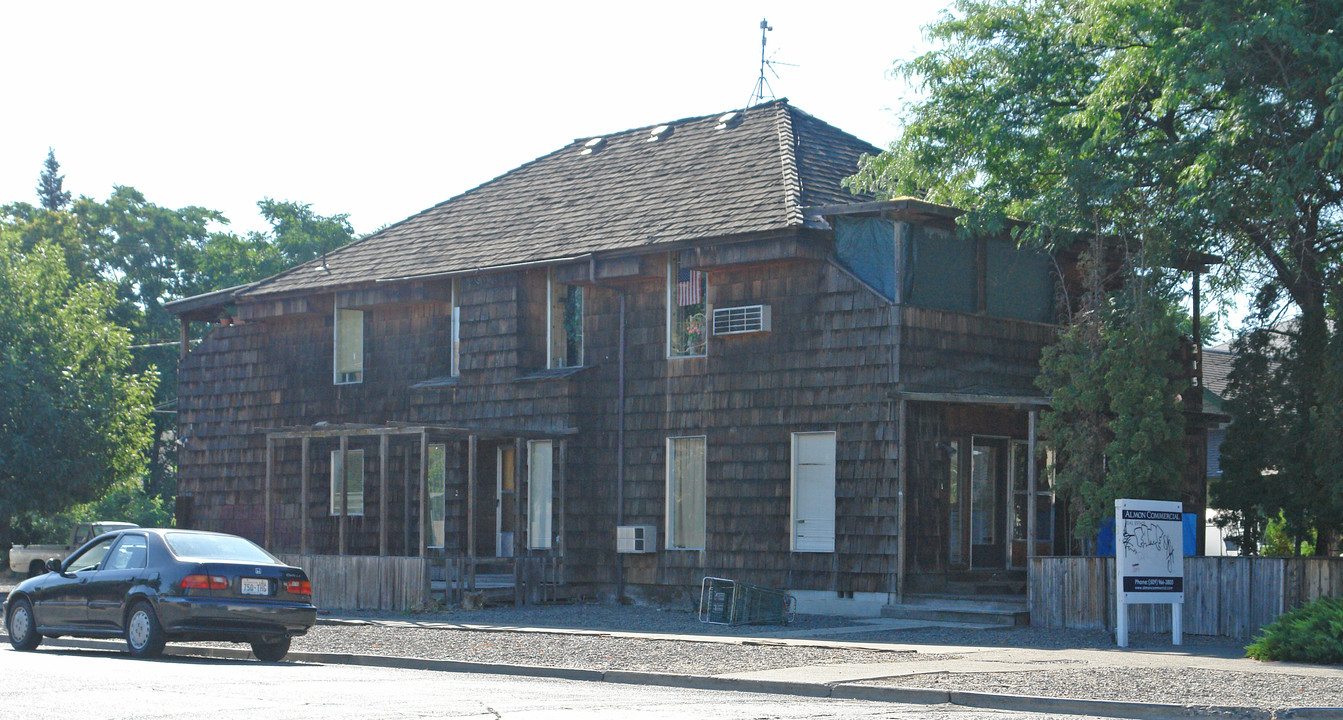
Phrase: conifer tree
(50, 184)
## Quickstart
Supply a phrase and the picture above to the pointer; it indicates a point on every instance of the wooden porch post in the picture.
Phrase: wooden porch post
(424, 492)
(519, 458)
(303, 500)
(340, 487)
(1031, 481)
(471, 512)
(185, 339)
(902, 470)
(270, 471)
(382, 495)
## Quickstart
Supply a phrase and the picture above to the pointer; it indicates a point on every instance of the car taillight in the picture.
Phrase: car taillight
(204, 582)
(298, 587)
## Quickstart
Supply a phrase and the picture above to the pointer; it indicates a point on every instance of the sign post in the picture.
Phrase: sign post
(1149, 561)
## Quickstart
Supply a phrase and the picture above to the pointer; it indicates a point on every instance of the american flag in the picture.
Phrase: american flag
(689, 287)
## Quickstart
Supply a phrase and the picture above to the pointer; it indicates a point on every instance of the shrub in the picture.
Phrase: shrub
(1312, 634)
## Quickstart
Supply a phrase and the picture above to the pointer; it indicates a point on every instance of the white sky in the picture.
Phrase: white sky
(383, 109)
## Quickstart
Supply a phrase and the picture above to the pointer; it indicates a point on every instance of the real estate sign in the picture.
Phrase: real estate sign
(1149, 560)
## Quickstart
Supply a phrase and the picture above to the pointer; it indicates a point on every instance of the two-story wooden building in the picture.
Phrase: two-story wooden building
(688, 331)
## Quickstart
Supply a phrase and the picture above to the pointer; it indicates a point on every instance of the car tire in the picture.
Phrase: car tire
(271, 651)
(37, 567)
(22, 626)
(144, 634)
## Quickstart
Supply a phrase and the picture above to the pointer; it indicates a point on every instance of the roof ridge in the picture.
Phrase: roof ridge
(792, 181)
(836, 129)
(781, 102)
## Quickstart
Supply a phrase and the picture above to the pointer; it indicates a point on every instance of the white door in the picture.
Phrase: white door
(813, 492)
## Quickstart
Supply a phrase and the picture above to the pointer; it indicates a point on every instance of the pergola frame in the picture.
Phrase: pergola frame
(385, 432)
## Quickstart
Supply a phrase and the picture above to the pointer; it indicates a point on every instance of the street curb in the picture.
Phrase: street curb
(709, 682)
(844, 691)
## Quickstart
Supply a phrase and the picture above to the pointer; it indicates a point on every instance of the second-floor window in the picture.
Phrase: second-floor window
(564, 330)
(455, 336)
(687, 310)
(349, 360)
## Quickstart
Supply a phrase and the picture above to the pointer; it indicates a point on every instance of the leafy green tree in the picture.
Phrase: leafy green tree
(297, 235)
(73, 418)
(1198, 125)
(50, 184)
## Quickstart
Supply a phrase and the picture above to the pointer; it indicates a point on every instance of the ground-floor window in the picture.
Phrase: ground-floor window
(540, 498)
(437, 482)
(813, 492)
(686, 476)
(354, 483)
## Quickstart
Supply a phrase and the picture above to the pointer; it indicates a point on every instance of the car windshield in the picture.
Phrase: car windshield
(216, 547)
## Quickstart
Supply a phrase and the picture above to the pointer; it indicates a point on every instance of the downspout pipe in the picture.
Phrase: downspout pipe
(620, 421)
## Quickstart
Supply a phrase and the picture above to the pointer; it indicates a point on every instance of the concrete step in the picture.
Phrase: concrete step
(998, 610)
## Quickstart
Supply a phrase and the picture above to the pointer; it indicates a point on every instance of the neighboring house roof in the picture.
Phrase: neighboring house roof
(698, 180)
(1216, 370)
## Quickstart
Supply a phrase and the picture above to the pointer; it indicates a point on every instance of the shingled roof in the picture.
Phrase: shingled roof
(698, 180)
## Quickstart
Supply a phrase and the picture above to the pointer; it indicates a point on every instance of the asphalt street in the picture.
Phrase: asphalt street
(54, 683)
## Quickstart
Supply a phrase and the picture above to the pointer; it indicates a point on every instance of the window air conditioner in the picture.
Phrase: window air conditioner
(741, 320)
(636, 538)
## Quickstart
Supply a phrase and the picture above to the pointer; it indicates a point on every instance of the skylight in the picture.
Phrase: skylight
(660, 132)
(728, 120)
(593, 145)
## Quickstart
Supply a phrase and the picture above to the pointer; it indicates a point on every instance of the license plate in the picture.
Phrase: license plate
(255, 586)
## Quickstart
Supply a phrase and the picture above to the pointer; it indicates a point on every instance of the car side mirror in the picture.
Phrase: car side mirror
(54, 565)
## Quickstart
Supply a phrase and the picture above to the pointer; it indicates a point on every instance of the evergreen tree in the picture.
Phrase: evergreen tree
(1115, 418)
(50, 183)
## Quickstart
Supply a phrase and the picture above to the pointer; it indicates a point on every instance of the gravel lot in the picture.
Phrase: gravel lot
(1188, 686)
(589, 652)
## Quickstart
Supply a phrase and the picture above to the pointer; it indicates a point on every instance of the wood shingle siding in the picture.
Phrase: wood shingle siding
(738, 204)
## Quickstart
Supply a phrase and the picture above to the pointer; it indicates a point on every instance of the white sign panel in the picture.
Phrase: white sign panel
(1149, 551)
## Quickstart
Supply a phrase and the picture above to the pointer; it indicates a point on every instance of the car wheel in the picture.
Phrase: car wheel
(22, 627)
(271, 651)
(144, 634)
(37, 567)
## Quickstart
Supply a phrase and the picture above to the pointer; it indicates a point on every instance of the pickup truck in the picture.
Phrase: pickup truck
(32, 559)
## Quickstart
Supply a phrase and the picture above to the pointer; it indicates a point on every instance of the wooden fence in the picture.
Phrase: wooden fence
(370, 582)
(365, 582)
(1228, 596)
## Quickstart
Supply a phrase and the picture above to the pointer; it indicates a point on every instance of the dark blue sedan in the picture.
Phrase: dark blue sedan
(151, 586)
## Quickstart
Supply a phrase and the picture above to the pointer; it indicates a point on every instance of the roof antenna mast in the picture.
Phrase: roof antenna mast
(762, 84)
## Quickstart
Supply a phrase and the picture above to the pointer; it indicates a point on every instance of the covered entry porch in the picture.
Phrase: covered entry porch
(980, 502)
(472, 508)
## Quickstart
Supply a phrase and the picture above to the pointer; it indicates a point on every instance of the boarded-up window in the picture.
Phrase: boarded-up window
(687, 306)
(354, 483)
(814, 492)
(437, 477)
(686, 475)
(940, 270)
(1018, 283)
(539, 494)
(349, 346)
(565, 329)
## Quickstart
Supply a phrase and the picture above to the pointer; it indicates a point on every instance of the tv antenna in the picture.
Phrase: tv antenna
(766, 63)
